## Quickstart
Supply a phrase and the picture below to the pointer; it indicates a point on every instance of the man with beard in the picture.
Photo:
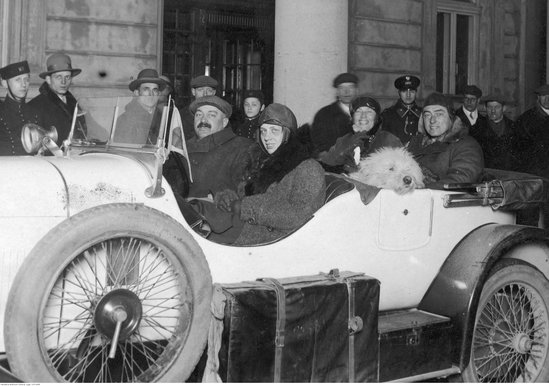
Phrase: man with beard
(532, 133)
(219, 158)
(55, 103)
(14, 112)
(140, 121)
(402, 118)
(332, 121)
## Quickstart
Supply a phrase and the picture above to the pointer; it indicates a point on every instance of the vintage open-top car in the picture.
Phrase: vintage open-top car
(106, 276)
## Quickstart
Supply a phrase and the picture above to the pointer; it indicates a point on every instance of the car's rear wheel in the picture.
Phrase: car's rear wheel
(118, 293)
(511, 335)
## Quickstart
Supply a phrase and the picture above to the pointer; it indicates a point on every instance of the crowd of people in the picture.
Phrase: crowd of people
(260, 178)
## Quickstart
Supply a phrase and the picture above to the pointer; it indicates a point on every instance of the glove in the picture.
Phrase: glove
(224, 199)
(428, 175)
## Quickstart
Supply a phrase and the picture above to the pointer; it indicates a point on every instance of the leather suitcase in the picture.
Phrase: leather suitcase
(320, 328)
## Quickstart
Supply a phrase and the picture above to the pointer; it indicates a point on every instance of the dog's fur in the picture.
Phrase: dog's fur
(391, 168)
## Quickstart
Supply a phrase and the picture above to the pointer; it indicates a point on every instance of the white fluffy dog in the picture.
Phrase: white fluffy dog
(391, 168)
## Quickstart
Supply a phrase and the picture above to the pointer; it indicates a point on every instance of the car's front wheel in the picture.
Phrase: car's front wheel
(117, 293)
(511, 335)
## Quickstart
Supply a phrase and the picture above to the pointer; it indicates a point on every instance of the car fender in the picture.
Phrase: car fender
(455, 291)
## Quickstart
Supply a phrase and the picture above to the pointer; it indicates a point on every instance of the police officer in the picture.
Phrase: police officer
(14, 112)
(402, 118)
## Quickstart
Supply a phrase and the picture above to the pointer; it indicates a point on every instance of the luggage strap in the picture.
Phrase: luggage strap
(280, 323)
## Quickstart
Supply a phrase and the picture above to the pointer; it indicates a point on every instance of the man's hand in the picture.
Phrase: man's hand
(224, 199)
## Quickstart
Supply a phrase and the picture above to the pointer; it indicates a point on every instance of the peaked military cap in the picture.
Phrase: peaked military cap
(471, 89)
(407, 82)
(14, 69)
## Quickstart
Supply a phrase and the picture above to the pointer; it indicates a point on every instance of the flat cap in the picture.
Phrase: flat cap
(346, 77)
(501, 99)
(471, 89)
(278, 114)
(14, 69)
(542, 90)
(407, 82)
(258, 94)
(365, 101)
(203, 81)
(212, 100)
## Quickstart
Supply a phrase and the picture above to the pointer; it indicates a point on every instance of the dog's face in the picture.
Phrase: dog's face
(391, 168)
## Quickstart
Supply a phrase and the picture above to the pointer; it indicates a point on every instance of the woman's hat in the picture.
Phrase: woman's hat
(278, 114)
(365, 101)
(57, 63)
(148, 75)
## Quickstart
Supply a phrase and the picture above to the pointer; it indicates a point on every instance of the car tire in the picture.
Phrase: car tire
(122, 267)
(511, 336)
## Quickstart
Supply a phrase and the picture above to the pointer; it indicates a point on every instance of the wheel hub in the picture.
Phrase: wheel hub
(110, 309)
(522, 343)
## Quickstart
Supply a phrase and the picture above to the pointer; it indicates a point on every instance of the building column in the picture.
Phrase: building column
(311, 42)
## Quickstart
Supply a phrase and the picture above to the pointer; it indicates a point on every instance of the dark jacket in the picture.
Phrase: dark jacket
(532, 146)
(476, 129)
(401, 120)
(137, 125)
(219, 161)
(285, 193)
(248, 128)
(187, 119)
(52, 111)
(13, 115)
(498, 144)
(329, 123)
(454, 157)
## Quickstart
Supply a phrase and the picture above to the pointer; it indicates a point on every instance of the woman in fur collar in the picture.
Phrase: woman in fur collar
(285, 189)
(443, 147)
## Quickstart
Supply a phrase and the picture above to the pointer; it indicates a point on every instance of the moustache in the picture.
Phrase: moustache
(204, 124)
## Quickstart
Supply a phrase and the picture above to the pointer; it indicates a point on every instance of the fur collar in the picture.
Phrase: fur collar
(456, 132)
(274, 167)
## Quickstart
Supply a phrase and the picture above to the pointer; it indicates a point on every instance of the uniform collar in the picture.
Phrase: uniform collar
(402, 109)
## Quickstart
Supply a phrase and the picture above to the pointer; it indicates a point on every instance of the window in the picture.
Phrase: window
(457, 45)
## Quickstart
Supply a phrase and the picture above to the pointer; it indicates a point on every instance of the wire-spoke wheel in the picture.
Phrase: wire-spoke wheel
(115, 294)
(511, 336)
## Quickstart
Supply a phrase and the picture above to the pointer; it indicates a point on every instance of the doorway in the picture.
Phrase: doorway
(229, 40)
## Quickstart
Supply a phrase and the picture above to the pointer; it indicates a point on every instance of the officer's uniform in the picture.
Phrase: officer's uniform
(401, 119)
(14, 114)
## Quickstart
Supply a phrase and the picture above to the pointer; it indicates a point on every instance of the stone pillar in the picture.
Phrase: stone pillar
(311, 41)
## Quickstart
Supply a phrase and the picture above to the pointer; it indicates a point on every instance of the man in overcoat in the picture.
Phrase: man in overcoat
(55, 103)
(334, 120)
(219, 158)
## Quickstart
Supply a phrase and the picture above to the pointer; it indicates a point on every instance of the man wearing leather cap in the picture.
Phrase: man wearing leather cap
(218, 157)
(201, 85)
(55, 103)
(402, 118)
(332, 121)
(468, 112)
(14, 112)
(140, 121)
(532, 132)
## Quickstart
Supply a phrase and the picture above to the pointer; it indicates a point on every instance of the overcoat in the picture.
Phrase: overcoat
(13, 115)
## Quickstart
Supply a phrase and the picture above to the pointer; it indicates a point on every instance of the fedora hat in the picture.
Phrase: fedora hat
(59, 62)
(148, 75)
